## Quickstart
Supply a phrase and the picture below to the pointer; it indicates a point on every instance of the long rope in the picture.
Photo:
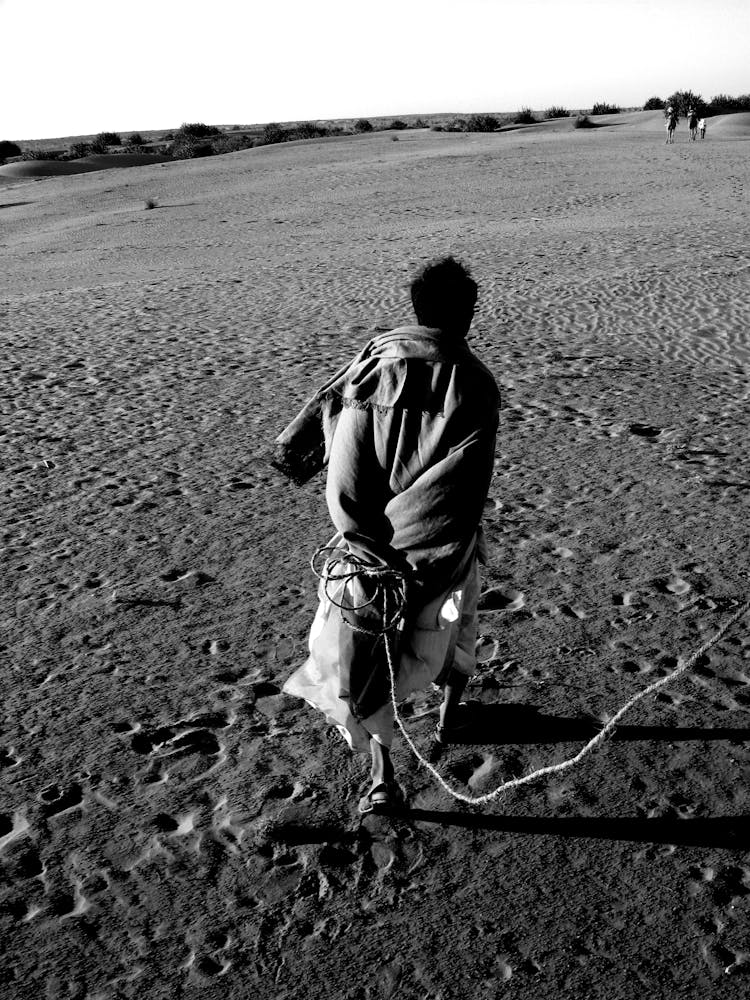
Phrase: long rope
(565, 765)
(388, 576)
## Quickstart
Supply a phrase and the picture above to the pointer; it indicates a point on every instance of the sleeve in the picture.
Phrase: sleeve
(357, 488)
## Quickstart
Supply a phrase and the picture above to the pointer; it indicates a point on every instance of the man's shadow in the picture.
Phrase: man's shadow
(501, 724)
(524, 724)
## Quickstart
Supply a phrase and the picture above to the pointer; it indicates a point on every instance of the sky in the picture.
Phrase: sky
(76, 67)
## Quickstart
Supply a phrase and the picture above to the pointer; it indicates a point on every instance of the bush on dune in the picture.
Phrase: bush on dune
(583, 121)
(482, 123)
(233, 143)
(109, 139)
(40, 154)
(363, 125)
(602, 108)
(7, 149)
(397, 123)
(78, 150)
(683, 100)
(197, 130)
(556, 112)
(525, 117)
(136, 139)
(723, 104)
(188, 147)
(308, 130)
(272, 133)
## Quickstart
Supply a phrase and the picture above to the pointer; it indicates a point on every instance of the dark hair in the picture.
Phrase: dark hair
(444, 294)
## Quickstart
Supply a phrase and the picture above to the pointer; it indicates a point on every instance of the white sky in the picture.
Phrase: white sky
(72, 67)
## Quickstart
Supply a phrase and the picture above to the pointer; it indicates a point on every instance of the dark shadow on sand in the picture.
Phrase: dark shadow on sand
(729, 832)
(504, 724)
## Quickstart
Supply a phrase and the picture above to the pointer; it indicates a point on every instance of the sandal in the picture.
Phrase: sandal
(384, 798)
(440, 735)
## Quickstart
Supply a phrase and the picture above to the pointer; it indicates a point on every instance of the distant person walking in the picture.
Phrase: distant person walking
(692, 124)
(702, 128)
(671, 122)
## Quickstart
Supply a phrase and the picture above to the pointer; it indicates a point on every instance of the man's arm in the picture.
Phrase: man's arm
(357, 488)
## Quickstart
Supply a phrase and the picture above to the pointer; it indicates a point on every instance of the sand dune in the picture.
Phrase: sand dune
(170, 824)
(87, 164)
(730, 126)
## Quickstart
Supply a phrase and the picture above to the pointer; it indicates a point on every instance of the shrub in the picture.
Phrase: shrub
(421, 123)
(482, 123)
(150, 203)
(601, 108)
(109, 139)
(723, 104)
(437, 128)
(456, 125)
(583, 121)
(525, 117)
(308, 130)
(98, 146)
(556, 112)
(397, 123)
(363, 125)
(189, 147)
(273, 132)
(197, 130)
(168, 136)
(232, 143)
(136, 139)
(8, 148)
(654, 104)
(235, 128)
(78, 150)
(40, 154)
(683, 100)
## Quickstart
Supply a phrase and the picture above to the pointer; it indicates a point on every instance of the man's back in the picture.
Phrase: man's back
(412, 452)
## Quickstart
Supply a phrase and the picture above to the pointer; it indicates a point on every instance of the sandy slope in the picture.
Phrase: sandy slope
(27, 169)
(170, 824)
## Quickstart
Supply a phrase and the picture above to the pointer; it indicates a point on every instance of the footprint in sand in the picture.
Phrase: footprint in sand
(645, 430)
(570, 612)
(56, 800)
(212, 647)
(625, 600)
(8, 757)
(486, 649)
(502, 599)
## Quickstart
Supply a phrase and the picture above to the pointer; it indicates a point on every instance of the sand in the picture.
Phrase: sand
(170, 824)
(33, 169)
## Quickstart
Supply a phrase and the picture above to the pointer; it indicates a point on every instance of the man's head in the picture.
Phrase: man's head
(444, 295)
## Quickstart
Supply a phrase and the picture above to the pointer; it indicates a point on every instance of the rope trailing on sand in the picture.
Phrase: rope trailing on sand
(396, 580)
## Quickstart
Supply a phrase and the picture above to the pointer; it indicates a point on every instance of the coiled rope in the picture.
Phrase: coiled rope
(387, 578)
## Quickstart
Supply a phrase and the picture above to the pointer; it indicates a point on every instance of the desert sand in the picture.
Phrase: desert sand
(170, 824)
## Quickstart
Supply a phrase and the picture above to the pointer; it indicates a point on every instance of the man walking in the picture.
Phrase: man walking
(409, 436)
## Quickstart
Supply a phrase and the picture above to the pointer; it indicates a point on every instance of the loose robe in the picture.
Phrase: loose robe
(408, 431)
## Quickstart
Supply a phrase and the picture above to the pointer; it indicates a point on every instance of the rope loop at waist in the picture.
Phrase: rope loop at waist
(389, 590)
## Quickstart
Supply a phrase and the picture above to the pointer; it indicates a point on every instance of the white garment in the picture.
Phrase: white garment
(443, 635)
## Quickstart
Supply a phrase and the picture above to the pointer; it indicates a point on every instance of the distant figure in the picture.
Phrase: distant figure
(671, 123)
(410, 440)
(702, 128)
(693, 124)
